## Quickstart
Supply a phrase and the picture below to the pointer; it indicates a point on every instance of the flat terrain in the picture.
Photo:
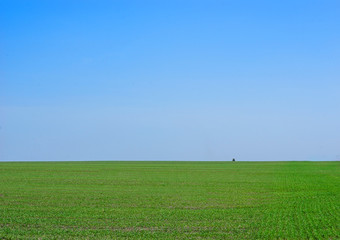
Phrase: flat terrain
(170, 200)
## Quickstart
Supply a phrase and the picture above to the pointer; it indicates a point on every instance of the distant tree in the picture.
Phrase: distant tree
(233, 159)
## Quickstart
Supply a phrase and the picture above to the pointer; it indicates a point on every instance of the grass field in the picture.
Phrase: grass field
(170, 200)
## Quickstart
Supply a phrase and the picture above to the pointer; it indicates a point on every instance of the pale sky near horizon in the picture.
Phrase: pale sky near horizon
(169, 80)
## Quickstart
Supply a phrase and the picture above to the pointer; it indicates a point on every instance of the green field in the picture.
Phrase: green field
(170, 200)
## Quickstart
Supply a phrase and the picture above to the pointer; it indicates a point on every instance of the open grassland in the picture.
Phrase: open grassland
(170, 200)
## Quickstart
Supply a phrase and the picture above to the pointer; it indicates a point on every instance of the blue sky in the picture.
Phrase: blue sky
(169, 80)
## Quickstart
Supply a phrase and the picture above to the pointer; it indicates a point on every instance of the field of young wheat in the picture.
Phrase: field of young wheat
(170, 200)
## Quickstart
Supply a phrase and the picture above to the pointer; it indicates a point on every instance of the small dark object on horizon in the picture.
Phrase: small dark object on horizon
(233, 159)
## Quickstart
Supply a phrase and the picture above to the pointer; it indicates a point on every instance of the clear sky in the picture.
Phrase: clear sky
(170, 80)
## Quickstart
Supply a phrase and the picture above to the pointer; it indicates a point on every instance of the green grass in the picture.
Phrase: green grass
(170, 200)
